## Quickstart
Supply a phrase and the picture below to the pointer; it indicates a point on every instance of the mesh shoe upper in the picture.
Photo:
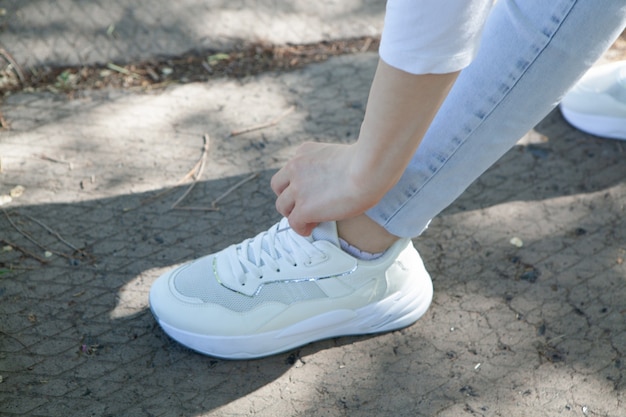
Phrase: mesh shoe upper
(197, 281)
(243, 287)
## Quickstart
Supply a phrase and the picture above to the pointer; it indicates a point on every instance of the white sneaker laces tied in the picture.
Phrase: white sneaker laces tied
(269, 250)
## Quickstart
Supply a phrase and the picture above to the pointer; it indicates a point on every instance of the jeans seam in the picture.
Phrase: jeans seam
(506, 94)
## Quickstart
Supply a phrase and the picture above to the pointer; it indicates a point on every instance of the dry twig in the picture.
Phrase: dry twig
(198, 173)
(198, 168)
(54, 233)
(35, 242)
(3, 122)
(194, 172)
(57, 161)
(20, 231)
(233, 188)
(367, 44)
(30, 352)
(271, 123)
(196, 208)
(24, 251)
(122, 70)
(14, 65)
(213, 206)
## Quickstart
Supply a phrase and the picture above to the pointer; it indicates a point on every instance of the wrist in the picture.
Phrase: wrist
(373, 171)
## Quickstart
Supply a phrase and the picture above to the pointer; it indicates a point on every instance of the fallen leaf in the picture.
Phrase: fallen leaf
(215, 58)
(17, 191)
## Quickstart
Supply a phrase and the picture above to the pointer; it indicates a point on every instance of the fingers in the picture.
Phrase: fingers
(286, 206)
(285, 203)
(307, 229)
(298, 226)
(286, 184)
(280, 181)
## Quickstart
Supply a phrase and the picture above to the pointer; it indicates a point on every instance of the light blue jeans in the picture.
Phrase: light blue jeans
(532, 52)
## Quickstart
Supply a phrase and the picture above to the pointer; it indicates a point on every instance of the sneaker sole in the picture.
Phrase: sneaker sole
(394, 312)
(604, 126)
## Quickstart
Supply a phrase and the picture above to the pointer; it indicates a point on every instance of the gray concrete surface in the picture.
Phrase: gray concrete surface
(92, 31)
(536, 330)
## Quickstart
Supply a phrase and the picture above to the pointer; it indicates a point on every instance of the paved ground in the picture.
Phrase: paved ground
(84, 31)
(536, 330)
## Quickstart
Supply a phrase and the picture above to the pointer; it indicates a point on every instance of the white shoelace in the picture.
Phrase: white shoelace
(269, 250)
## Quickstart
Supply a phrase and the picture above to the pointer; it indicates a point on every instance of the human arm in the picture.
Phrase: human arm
(334, 181)
(424, 45)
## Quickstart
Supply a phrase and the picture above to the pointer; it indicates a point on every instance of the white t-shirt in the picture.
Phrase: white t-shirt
(432, 36)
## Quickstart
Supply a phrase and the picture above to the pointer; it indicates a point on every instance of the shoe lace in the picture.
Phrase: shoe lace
(279, 245)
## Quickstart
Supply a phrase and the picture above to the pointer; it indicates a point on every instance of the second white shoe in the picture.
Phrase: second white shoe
(597, 103)
(279, 290)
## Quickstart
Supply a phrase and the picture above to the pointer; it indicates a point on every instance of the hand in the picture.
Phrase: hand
(323, 182)
(326, 182)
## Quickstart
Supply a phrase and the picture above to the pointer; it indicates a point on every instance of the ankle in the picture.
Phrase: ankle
(365, 234)
(358, 253)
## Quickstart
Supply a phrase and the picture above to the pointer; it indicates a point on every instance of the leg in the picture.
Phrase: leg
(532, 52)
(365, 234)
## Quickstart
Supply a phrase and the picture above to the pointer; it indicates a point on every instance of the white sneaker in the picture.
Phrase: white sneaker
(279, 290)
(597, 104)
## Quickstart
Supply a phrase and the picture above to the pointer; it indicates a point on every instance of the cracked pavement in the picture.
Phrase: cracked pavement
(536, 327)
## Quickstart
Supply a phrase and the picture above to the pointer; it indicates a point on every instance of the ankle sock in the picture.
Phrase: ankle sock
(328, 231)
(358, 253)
